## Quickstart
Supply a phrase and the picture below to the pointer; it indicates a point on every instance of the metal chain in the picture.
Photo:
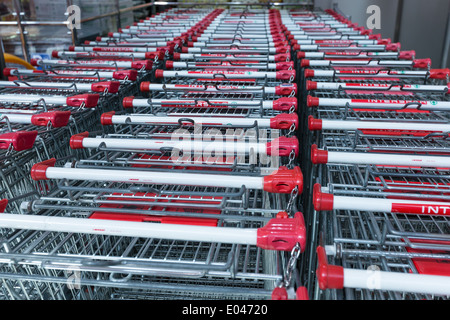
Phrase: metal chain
(295, 254)
(291, 130)
(294, 194)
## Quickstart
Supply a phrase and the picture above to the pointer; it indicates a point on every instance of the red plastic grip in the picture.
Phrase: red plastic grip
(76, 141)
(301, 294)
(176, 56)
(284, 65)
(282, 234)
(322, 201)
(282, 146)
(159, 73)
(110, 86)
(393, 47)
(282, 57)
(314, 124)
(34, 62)
(169, 64)
(128, 102)
(142, 64)
(284, 121)
(125, 74)
(285, 104)
(284, 180)
(56, 118)
(407, 55)
(422, 63)
(440, 74)
(106, 118)
(301, 54)
(89, 100)
(55, 54)
(318, 156)
(279, 293)
(20, 140)
(329, 276)
(7, 71)
(285, 75)
(285, 89)
(38, 171)
(384, 41)
(305, 63)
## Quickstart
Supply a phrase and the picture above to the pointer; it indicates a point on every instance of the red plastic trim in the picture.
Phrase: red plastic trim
(20, 140)
(282, 57)
(329, 276)
(422, 63)
(56, 118)
(284, 180)
(145, 86)
(309, 73)
(169, 64)
(38, 171)
(285, 75)
(301, 55)
(284, 121)
(318, 156)
(76, 141)
(129, 74)
(106, 118)
(282, 146)
(311, 85)
(176, 56)
(305, 63)
(322, 201)
(90, 100)
(312, 101)
(282, 234)
(159, 73)
(285, 104)
(284, 65)
(128, 102)
(139, 64)
(279, 293)
(407, 55)
(314, 124)
(302, 294)
(110, 86)
(285, 89)
(3, 204)
(440, 74)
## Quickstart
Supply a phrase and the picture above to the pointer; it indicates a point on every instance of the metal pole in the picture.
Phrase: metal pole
(446, 49)
(119, 24)
(398, 21)
(22, 31)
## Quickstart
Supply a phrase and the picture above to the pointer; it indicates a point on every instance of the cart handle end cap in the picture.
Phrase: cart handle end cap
(279, 293)
(176, 56)
(7, 72)
(384, 41)
(282, 147)
(284, 65)
(309, 73)
(39, 170)
(314, 124)
(322, 201)
(440, 74)
(422, 63)
(76, 141)
(284, 121)
(159, 73)
(125, 74)
(282, 57)
(312, 101)
(20, 140)
(88, 100)
(34, 62)
(284, 181)
(318, 156)
(169, 64)
(106, 86)
(285, 75)
(106, 118)
(142, 64)
(58, 119)
(305, 63)
(128, 102)
(145, 86)
(375, 36)
(311, 85)
(407, 55)
(282, 234)
(329, 276)
(285, 104)
(3, 204)
(55, 54)
(302, 294)
(301, 54)
(184, 50)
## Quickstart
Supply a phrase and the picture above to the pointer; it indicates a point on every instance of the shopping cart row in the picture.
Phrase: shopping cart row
(189, 188)
(377, 157)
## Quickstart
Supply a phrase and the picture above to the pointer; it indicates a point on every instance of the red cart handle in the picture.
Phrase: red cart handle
(56, 118)
(125, 74)
(284, 121)
(285, 104)
(3, 204)
(110, 86)
(88, 100)
(38, 170)
(329, 276)
(76, 141)
(283, 146)
(322, 201)
(286, 89)
(283, 234)
(284, 181)
(20, 140)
